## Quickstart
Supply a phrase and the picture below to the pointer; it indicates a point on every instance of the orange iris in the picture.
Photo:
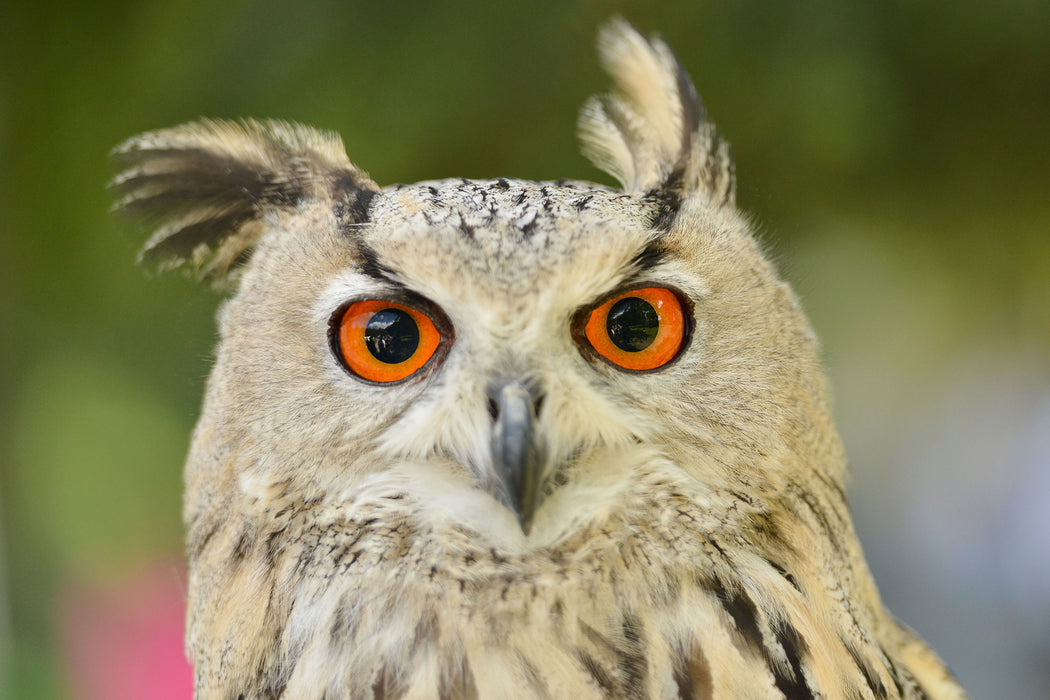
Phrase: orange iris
(640, 329)
(384, 341)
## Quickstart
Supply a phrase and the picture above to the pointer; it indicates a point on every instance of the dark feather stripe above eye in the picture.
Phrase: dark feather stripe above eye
(654, 253)
(373, 267)
(666, 202)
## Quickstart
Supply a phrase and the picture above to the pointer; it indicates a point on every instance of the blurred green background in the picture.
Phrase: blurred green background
(895, 156)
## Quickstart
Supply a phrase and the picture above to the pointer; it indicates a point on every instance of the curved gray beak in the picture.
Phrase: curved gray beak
(517, 451)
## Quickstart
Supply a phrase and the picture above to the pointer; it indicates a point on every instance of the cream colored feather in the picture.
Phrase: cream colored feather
(543, 506)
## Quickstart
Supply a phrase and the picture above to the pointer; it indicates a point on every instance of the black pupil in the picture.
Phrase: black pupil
(632, 324)
(392, 336)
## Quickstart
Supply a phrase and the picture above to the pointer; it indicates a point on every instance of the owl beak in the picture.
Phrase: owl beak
(517, 450)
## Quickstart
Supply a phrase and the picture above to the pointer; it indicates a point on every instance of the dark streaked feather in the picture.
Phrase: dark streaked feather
(634, 664)
(692, 675)
(793, 682)
(206, 187)
(457, 682)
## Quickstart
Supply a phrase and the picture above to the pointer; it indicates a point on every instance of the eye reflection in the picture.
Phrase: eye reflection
(392, 336)
(632, 324)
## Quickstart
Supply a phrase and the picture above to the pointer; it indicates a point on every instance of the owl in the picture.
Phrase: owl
(510, 439)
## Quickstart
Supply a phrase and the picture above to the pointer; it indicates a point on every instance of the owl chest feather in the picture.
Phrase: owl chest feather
(379, 605)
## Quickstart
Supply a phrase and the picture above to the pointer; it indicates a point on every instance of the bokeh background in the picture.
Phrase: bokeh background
(894, 154)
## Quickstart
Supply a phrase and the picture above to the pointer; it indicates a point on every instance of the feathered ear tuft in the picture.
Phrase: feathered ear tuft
(652, 134)
(206, 186)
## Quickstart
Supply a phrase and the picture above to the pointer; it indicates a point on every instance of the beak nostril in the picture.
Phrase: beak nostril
(537, 405)
(493, 409)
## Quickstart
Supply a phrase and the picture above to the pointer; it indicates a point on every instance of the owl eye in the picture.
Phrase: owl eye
(638, 330)
(384, 341)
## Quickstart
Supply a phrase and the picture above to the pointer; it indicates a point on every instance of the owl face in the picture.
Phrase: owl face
(494, 351)
(481, 347)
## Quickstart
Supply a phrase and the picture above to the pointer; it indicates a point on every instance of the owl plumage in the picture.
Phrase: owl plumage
(519, 516)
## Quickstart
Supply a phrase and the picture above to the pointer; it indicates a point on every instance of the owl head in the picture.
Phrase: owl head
(514, 358)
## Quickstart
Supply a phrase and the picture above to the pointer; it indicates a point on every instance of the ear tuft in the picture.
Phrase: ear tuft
(206, 187)
(652, 134)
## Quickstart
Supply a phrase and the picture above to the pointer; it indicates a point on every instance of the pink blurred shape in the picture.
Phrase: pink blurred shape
(124, 642)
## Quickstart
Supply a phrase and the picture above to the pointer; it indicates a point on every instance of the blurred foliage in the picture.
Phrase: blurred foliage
(898, 150)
